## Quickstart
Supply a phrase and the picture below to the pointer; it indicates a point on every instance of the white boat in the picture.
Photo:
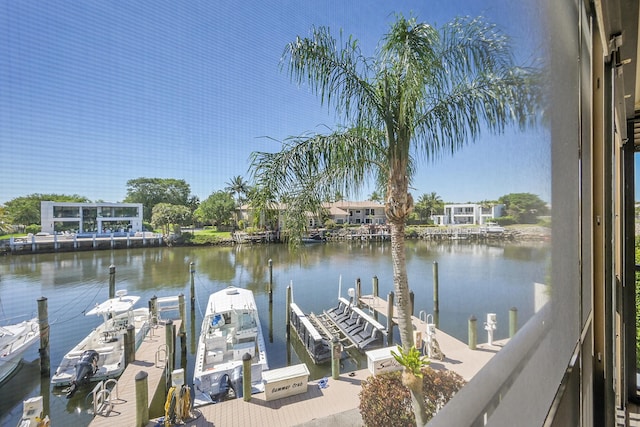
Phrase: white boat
(33, 414)
(14, 341)
(230, 329)
(100, 355)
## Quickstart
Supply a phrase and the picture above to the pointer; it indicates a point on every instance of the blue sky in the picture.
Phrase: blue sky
(96, 93)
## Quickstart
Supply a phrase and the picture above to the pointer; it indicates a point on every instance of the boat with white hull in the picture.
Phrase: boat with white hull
(101, 354)
(14, 341)
(230, 329)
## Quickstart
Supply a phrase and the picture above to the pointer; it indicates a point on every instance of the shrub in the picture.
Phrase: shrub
(33, 229)
(385, 401)
(505, 220)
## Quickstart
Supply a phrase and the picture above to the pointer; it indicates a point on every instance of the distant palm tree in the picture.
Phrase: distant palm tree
(428, 205)
(426, 93)
(239, 189)
(376, 197)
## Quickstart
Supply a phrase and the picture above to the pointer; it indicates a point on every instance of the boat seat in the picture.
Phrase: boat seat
(375, 337)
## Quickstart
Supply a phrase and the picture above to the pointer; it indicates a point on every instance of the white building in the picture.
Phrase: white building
(98, 218)
(469, 213)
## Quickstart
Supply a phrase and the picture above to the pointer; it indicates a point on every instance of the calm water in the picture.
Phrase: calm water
(473, 279)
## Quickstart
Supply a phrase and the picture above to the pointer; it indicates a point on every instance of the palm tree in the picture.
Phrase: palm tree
(426, 92)
(238, 188)
(428, 204)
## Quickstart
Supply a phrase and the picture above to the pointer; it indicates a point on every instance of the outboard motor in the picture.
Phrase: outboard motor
(85, 369)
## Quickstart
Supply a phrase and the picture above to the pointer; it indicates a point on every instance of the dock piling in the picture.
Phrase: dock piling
(412, 301)
(288, 312)
(130, 345)
(183, 322)
(192, 271)
(358, 292)
(513, 321)
(270, 280)
(390, 299)
(336, 351)
(246, 377)
(142, 399)
(375, 295)
(436, 303)
(169, 339)
(153, 310)
(112, 281)
(473, 332)
(43, 323)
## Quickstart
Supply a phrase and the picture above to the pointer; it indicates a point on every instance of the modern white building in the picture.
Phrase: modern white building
(469, 214)
(94, 218)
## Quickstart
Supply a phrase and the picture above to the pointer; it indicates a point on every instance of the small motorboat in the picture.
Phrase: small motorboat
(100, 355)
(14, 341)
(230, 330)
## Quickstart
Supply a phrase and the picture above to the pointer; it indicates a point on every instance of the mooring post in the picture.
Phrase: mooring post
(473, 332)
(270, 280)
(153, 309)
(246, 377)
(513, 321)
(142, 399)
(412, 301)
(390, 299)
(183, 322)
(192, 270)
(130, 345)
(436, 303)
(287, 316)
(375, 295)
(112, 281)
(336, 352)
(358, 292)
(43, 324)
(169, 334)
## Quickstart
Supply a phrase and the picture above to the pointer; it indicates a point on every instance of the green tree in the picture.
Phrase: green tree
(151, 191)
(428, 205)
(217, 208)
(376, 197)
(239, 189)
(525, 208)
(164, 215)
(25, 210)
(427, 92)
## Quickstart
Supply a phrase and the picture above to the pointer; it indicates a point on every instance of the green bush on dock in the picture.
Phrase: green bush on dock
(385, 401)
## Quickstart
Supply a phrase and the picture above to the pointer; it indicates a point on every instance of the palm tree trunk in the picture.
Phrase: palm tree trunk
(399, 205)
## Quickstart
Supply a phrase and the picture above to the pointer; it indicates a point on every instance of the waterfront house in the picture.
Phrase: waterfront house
(98, 218)
(469, 214)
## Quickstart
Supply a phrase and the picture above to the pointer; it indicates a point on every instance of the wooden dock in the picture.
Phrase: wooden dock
(459, 357)
(123, 412)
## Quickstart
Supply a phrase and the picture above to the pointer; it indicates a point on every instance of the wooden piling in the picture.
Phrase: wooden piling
(375, 294)
(358, 292)
(169, 339)
(142, 399)
(192, 271)
(336, 352)
(513, 321)
(436, 302)
(183, 322)
(43, 324)
(153, 309)
(130, 345)
(112, 281)
(246, 377)
(270, 280)
(288, 311)
(473, 332)
(390, 299)
(412, 301)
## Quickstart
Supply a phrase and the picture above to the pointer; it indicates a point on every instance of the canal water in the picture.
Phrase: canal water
(474, 279)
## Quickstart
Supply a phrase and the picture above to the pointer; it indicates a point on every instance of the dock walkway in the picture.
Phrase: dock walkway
(459, 357)
(337, 403)
(124, 406)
